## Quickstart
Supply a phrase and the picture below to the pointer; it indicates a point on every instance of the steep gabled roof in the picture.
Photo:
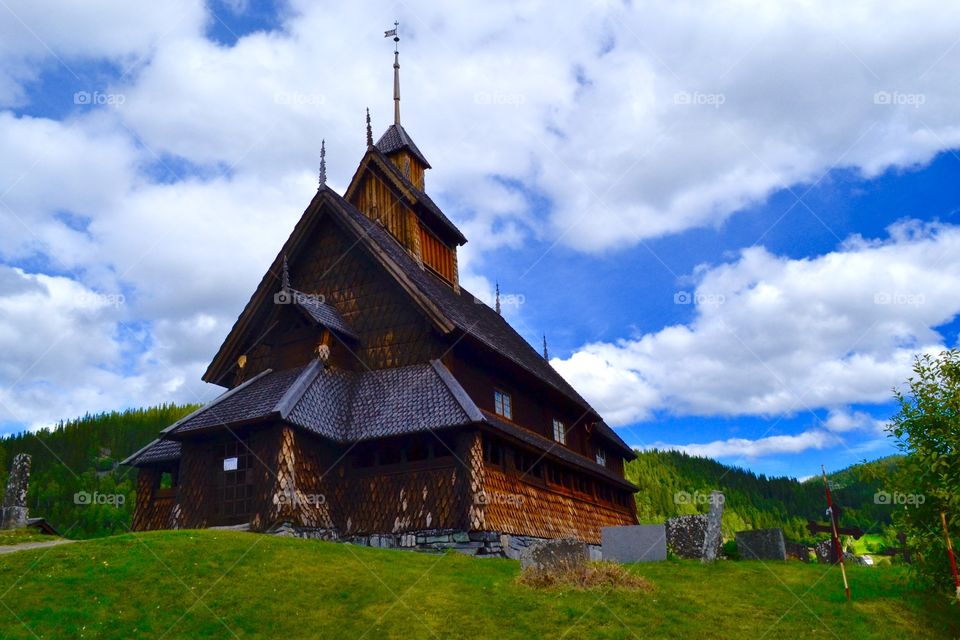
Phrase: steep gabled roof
(396, 138)
(451, 311)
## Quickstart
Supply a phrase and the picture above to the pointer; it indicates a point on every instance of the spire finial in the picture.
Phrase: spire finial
(396, 69)
(545, 355)
(369, 130)
(285, 278)
(497, 307)
(323, 163)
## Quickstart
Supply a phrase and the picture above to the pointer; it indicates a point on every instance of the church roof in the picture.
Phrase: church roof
(349, 407)
(456, 311)
(396, 138)
(321, 313)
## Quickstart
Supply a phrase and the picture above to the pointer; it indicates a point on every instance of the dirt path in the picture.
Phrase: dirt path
(10, 548)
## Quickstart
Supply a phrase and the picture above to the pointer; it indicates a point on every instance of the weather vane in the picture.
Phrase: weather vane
(396, 69)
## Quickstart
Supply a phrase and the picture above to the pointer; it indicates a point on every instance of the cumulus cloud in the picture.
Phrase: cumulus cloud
(596, 126)
(772, 335)
(761, 447)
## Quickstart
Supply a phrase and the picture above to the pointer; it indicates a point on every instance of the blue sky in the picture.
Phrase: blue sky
(734, 247)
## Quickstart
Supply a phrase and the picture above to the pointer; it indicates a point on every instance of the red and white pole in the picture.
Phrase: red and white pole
(836, 535)
(953, 560)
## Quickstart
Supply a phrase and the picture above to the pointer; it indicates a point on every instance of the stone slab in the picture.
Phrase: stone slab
(635, 543)
(761, 544)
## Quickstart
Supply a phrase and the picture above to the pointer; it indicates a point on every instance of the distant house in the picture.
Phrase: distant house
(371, 397)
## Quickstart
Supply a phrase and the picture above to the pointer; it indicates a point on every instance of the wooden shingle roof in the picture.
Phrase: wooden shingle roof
(396, 138)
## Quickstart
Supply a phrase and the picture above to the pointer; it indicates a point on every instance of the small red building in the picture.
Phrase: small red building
(371, 398)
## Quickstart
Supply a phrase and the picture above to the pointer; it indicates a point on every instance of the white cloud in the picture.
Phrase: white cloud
(779, 336)
(750, 449)
(582, 107)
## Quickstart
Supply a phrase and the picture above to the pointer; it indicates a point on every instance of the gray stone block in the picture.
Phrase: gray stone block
(554, 554)
(637, 543)
(761, 544)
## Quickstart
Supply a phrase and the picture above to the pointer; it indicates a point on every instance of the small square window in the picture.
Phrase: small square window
(559, 431)
(502, 404)
(601, 457)
(230, 464)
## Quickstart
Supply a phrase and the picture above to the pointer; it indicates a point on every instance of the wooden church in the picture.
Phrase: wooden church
(371, 398)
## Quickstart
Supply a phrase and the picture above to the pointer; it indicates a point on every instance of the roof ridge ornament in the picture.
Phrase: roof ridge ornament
(323, 163)
(545, 355)
(396, 69)
(285, 277)
(498, 298)
(369, 130)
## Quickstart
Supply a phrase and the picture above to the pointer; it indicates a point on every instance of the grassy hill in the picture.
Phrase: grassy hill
(218, 584)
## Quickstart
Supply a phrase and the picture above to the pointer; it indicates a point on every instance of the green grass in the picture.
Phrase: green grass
(218, 584)
(19, 536)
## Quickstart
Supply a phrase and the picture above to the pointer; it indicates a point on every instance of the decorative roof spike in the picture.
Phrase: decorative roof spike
(285, 278)
(545, 354)
(396, 70)
(497, 307)
(323, 162)
(369, 130)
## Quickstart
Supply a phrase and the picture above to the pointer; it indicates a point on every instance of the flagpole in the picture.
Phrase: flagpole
(953, 560)
(836, 535)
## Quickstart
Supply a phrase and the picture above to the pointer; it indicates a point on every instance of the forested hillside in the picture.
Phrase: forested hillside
(674, 483)
(82, 455)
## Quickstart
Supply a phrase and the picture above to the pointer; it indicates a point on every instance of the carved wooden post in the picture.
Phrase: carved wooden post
(14, 514)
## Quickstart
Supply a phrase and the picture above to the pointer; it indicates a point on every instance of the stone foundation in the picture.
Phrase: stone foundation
(486, 544)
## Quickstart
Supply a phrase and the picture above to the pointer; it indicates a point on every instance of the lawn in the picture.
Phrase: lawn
(218, 584)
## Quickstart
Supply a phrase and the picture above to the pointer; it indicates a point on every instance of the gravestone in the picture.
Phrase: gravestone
(797, 551)
(761, 544)
(686, 535)
(635, 543)
(14, 514)
(554, 555)
(826, 552)
(712, 538)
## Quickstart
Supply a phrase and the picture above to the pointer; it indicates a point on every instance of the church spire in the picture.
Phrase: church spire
(396, 70)
(323, 163)
(369, 130)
